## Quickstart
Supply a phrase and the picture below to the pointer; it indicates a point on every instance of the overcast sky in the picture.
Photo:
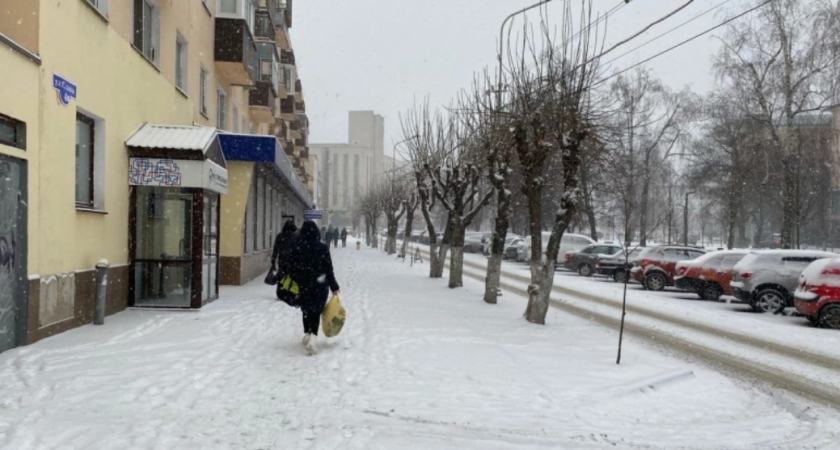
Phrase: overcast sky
(382, 55)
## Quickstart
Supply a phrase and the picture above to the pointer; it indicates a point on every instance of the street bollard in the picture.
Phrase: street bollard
(358, 245)
(101, 291)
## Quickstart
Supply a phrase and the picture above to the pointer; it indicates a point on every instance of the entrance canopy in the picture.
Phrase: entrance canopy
(266, 150)
(177, 156)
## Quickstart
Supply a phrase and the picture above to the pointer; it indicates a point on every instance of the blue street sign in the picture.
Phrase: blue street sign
(66, 90)
(313, 214)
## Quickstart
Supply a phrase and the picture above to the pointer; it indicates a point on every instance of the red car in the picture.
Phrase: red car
(655, 266)
(817, 296)
(709, 275)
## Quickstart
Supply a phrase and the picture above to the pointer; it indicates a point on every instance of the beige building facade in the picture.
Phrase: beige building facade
(112, 118)
(347, 170)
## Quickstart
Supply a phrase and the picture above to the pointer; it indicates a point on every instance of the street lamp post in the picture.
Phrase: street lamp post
(685, 218)
(502, 45)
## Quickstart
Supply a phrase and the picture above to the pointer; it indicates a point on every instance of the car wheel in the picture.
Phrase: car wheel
(769, 301)
(585, 270)
(830, 317)
(620, 276)
(655, 281)
(711, 292)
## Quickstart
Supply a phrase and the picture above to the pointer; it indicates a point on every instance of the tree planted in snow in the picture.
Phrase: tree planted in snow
(394, 193)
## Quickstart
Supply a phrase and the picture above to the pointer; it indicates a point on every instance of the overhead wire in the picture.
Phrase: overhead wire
(680, 44)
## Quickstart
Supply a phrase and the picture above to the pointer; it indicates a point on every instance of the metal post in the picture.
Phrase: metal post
(685, 219)
(101, 291)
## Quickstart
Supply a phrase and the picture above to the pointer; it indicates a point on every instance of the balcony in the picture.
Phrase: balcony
(234, 51)
(287, 108)
(263, 26)
(300, 107)
(300, 143)
(262, 102)
(304, 154)
(298, 90)
(281, 130)
(287, 56)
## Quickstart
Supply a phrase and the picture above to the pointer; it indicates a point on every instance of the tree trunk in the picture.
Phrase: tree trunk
(587, 203)
(409, 222)
(445, 241)
(788, 202)
(456, 263)
(391, 243)
(643, 206)
(537, 298)
(497, 247)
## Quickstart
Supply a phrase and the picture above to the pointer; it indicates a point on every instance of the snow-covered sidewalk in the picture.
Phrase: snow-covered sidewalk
(418, 366)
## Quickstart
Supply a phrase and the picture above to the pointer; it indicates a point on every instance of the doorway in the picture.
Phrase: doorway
(13, 275)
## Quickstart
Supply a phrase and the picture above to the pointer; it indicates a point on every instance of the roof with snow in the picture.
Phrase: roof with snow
(173, 137)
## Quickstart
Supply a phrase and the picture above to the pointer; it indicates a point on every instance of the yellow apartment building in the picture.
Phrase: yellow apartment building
(175, 117)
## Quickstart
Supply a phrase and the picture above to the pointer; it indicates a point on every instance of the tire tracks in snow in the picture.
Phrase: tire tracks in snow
(787, 380)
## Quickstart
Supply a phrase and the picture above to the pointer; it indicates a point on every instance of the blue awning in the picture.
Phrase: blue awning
(267, 150)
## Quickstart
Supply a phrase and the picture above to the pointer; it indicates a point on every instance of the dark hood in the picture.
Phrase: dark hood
(289, 228)
(309, 231)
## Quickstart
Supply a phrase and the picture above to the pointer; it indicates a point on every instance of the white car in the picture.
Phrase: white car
(568, 243)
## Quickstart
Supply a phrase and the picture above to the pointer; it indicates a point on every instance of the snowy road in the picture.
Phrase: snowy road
(418, 366)
(801, 360)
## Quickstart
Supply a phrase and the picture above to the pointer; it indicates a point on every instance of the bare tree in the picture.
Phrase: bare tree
(550, 104)
(780, 64)
(394, 194)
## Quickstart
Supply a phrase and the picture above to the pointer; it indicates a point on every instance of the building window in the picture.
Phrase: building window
(222, 104)
(85, 132)
(12, 132)
(261, 216)
(355, 177)
(235, 120)
(147, 29)
(100, 6)
(228, 6)
(202, 94)
(181, 62)
(266, 70)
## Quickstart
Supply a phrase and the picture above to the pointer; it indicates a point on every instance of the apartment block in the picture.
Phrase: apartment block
(347, 170)
(171, 114)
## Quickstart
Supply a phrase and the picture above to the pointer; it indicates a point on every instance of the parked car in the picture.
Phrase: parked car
(512, 248)
(568, 243)
(416, 234)
(472, 244)
(655, 266)
(709, 275)
(616, 266)
(508, 240)
(766, 279)
(817, 296)
(584, 261)
(522, 250)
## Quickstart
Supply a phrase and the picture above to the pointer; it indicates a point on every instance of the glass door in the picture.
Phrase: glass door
(163, 247)
(210, 252)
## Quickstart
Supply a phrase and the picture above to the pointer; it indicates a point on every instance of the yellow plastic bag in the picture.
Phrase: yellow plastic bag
(332, 319)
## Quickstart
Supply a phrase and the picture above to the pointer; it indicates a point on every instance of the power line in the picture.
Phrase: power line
(674, 47)
(668, 32)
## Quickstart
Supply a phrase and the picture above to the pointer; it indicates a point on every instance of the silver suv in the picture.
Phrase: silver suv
(767, 279)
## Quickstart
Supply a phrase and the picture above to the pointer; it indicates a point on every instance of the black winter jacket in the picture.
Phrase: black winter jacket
(310, 262)
(283, 245)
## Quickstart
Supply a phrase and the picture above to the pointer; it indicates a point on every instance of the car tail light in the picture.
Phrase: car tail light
(681, 270)
(644, 262)
(568, 255)
(746, 275)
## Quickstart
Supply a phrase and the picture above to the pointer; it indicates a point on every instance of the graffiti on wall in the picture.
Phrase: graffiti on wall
(7, 253)
(146, 172)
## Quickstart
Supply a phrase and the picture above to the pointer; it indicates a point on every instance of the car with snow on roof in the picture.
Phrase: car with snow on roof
(709, 275)
(817, 296)
(655, 266)
(767, 279)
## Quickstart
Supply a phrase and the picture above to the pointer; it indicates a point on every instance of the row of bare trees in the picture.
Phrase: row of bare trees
(559, 143)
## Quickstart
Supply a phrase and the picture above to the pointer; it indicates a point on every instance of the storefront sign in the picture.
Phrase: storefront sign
(66, 90)
(313, 214)
(177, 173)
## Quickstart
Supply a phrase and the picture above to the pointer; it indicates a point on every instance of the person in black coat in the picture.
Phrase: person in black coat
(280, 256)
(344, 237)
(312, 270)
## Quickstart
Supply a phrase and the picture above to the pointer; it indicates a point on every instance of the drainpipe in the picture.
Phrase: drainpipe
(101, 291)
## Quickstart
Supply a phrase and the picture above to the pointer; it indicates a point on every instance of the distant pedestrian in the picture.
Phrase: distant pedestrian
(312, 270)
(325, 235)
(280, 256)
(335, 237)
(344, 237)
